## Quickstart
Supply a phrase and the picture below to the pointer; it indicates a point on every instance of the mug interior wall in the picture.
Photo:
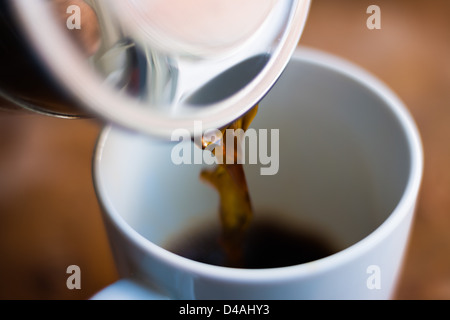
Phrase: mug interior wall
(343, 164)
(344, 157)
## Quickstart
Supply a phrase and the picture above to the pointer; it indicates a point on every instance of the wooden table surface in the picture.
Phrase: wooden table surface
(50, 218)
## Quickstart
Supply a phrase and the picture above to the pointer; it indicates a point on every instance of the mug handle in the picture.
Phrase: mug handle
(128, 289)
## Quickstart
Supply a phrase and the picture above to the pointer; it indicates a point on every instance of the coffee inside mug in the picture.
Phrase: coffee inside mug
(343, 166)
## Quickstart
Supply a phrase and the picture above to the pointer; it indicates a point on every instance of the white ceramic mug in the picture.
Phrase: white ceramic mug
(350, 165)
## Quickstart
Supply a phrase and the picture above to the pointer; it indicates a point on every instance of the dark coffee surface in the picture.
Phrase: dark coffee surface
(267, 244)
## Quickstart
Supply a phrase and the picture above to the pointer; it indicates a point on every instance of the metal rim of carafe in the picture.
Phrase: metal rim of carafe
(35, 108)
(55, 51)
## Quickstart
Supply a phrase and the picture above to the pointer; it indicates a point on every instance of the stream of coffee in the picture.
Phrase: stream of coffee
(228, 178)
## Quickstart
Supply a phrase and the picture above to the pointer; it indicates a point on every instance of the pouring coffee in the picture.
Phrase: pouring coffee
(157, 66)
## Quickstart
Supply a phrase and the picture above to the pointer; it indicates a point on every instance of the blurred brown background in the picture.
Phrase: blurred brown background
(50, 218)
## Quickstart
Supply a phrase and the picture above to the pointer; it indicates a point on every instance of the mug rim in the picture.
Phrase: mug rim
(407, 200)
